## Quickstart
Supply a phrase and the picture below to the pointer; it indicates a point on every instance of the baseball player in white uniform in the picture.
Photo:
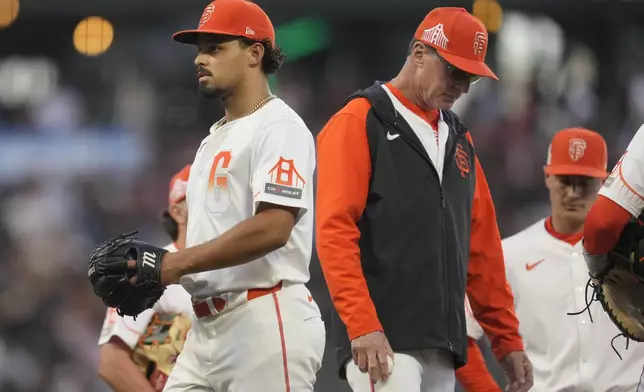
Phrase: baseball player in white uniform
(256, 326)
(120, 335)
(546, 270)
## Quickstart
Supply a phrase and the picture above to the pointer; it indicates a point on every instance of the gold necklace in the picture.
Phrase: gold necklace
(256, 108)
(260, 104)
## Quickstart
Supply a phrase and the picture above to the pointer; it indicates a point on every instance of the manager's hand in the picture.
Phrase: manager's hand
(518, 369)
(370, 353)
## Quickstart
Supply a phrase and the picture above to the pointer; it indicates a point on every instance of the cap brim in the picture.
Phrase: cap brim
(573, 170)
(470, 66)
(191, 37)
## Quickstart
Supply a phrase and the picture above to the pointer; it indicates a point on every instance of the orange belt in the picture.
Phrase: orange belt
(202, 309)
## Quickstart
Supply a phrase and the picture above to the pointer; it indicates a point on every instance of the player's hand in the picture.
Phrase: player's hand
(518, 369)
(371, 353)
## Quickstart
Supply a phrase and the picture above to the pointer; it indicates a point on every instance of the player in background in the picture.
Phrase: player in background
(475, 376)
(250, 232)
(546, 270)
(120, 336)
(621, 198)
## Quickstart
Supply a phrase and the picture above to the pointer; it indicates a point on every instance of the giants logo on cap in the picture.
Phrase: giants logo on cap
(576, 149)
(206, 14)
(480, 40)
(436, 36)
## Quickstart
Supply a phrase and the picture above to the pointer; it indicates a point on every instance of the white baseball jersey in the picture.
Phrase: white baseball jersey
(569, 353)
(268, 156)
(175, 299)
(625, 185)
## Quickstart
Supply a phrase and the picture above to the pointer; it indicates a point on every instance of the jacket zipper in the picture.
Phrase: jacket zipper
(447, 285)
(445, 254)
(442, 193)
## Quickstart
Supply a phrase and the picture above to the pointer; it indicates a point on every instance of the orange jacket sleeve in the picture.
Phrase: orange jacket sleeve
(344, 169)
(474, 376)
(604, 225)
(487, 287)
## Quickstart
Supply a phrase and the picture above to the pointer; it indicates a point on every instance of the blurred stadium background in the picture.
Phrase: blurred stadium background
(96, 115)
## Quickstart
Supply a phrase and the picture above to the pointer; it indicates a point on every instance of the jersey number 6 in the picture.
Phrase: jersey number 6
(218, 197)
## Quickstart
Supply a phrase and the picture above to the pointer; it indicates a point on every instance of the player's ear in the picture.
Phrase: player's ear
(546, 178)
(179, 213)
(417, 53)
(183, 212)
(256, 53)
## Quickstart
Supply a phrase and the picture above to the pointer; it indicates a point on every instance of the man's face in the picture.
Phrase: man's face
(439, 83)
(572, 196)
(220, 64)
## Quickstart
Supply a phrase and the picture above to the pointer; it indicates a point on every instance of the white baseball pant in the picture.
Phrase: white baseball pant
(413, 371)
(273, 343)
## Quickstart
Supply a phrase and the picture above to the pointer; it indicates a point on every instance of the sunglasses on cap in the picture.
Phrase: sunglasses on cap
(455, 73)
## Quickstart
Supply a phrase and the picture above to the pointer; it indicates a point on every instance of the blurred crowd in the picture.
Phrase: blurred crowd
(88, 146)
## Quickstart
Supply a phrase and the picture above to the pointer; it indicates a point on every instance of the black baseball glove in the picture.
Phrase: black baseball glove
(129, 290)
(618, 281)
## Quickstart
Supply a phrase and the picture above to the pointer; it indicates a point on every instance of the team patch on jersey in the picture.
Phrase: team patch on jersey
(285, 180)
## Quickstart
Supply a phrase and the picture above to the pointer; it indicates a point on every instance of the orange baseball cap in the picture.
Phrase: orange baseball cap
(578, 151)
(459, 37)
(238, 18)
(178, 186)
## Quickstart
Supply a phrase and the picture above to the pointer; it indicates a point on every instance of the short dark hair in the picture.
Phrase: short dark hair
(273, 56)
(170, 226)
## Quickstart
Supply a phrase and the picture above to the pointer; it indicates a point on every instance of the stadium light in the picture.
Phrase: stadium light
(8, 12)
(93, 36)
(490, 13)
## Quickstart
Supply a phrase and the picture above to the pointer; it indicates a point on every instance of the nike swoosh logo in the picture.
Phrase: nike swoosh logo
(392, 137)
(530, 267)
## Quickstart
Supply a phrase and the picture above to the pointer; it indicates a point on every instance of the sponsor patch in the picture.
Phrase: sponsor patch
(282, 190)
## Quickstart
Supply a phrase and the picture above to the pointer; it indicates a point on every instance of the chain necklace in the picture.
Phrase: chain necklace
(260, 104)
(253, 110)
